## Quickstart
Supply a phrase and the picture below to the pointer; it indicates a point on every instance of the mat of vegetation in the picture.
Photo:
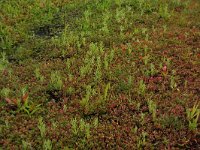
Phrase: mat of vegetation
(99, 74)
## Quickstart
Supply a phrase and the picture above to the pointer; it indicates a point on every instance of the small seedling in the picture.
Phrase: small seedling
(95, 122)
(193, 116)
(3, 61)
(106, 62)
(138, 106)
(165, 28)
(141, 88)
(153, 70)
(85, 101)
(173, 84)
(142, 119)
(25, 145)
(56, 81)
(68, 64)
(38, 75)
(111, 55)
(146, 59)
(164, 12)
(135, 129)
(152, 109)
(74, 125)
(98, 74)
(87, 130)
(65, 108)
(42, 127)
(106, 91)
(146, 49)
(5, 92)
(142, 140)
(120, 15)
(81, 128)
(47, 145)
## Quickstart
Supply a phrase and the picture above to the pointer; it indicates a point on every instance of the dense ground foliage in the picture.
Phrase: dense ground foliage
(99, 74)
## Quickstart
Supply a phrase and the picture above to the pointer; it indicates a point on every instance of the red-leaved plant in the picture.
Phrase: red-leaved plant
(23, 105)
(17, 102)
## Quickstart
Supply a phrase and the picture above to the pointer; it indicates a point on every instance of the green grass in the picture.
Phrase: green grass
(99, 74)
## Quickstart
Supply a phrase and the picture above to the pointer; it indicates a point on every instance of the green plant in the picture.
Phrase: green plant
(165, 28)
(56, 81)
(65, 108)
(38, 75)
(118, 2)
(125, 86)
(146, 49)
(152, 109)
(95, 122)
(47, 145)
(70, 77)
(103, 5)
(86, 20)
(141, 88)
(164, 11)
(141, 141)
(106, 17)
(54, 125)
(142, 119)
(111, 55)
(171, 121)
(70, 90)
(134, 130)
(81, 128)
(85, 101)
(105, 95)
(87, 130)
(5, 92)
(64, 39)
(25, 145)
(179, 3)
(23, 104)
(153, 69)
(42, 127)
(146, 59)
(85, 69)
(130, 48)
(173, 84)
(120, 15)
(138, 106)
(193, 116)
(146, 36)
(98, 73)
(6, 37)
(74, 126)
(3, 61)
(122, 29)
(68, 64)
(165, 141)
(106, 62)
